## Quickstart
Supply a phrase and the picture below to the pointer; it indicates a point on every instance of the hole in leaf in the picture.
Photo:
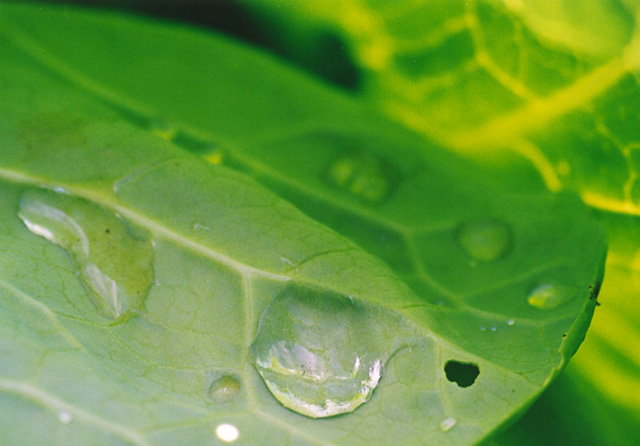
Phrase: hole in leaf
(464, 374)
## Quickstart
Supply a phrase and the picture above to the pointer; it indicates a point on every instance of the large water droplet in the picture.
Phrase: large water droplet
(485, 240)
(548, 296)
(224, 389)
(321, 353)
(364, 176)
(114, 263)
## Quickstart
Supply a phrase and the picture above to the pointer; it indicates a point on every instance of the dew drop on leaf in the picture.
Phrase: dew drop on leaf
(548, 296)
(321, 353)
(65, 417)
(364, 176)
(115, 264)
(224, 389)
(485, 240)
(447, 424)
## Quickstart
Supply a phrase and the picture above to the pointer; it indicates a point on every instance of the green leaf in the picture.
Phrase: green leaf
(501, 286)
(547, 87)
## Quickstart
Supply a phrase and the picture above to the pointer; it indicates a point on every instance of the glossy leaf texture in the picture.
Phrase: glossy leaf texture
(542, 87)
(488, 295)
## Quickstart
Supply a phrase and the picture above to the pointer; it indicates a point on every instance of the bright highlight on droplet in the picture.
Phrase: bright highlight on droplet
(65, 417)
(447, 424)
(511, 321)
(227, 432)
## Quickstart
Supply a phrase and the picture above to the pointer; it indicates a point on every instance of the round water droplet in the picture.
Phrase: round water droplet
(227, 432)
(485, 240)
(511, 321)
(321, 353)
(65, 417)
(224, 389)
(548, 296)
(364, 176)
(447, 424)
(114, 263)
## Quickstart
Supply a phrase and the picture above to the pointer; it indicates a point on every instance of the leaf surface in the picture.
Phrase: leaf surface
(91, 100)
(543, 87)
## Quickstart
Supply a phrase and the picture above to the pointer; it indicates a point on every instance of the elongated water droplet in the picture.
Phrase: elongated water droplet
(548, 296)
(485, 240)
(321, 353)
(368, 178)
(114, 263)
(224, 389)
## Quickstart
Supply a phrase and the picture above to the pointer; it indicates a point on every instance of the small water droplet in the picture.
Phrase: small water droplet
(114, 263)
(224, 389)
(65, 417)
(483, 328)
(511, 321)
(227, 432)
(199, 227)
(321, 353)
(548, 296)
(493, 328)
(367, 177)
(485, 240)
(447, 424)
(286, 261)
